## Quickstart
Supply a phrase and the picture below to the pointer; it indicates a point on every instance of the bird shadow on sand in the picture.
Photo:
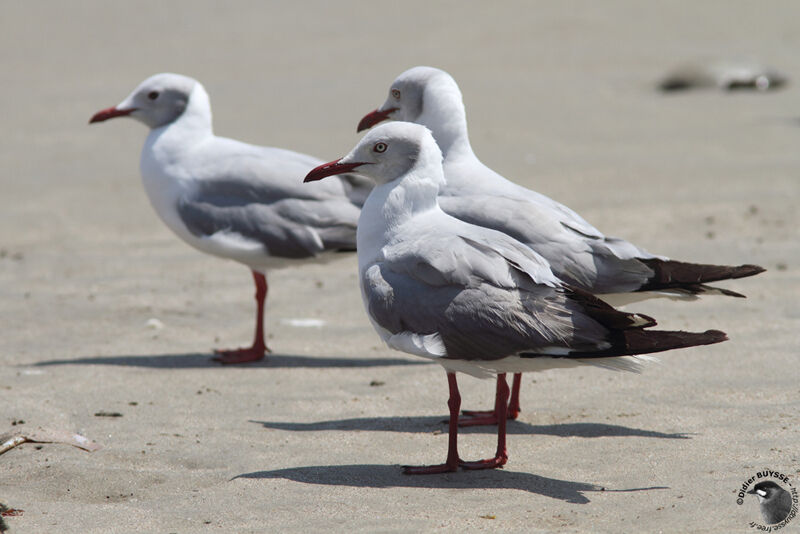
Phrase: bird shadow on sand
(200, 360)
(431, 424)
(391, 476)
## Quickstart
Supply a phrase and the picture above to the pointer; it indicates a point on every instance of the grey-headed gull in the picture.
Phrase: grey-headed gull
(471, 298)
(578, 253)
(231, 199)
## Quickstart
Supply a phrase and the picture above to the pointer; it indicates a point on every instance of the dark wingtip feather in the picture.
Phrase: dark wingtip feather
(605, 314)
(682, 275)
(743, 271)
(726, 292)
(635, 342)
(715, 336)
(648, 341)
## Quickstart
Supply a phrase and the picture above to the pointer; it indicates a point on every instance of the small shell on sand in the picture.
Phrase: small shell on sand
(46, 435)
(724, 75)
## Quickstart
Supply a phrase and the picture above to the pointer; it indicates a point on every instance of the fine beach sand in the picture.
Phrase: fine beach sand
(560, 97)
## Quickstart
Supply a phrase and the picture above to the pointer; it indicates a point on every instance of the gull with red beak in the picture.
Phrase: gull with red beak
(473, 299)
(234, 200)
(578, 253)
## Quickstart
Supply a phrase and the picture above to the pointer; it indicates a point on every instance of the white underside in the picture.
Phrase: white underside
(432, 347)
(254, 254)
(517, 364)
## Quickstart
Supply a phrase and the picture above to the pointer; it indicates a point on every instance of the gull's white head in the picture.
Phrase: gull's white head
(387, 153)
(157, 101)
(417, 95)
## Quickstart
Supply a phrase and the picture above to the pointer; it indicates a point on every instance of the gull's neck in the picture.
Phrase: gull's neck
(444, 114)
(396, 203)
(408, 196)
(193, 127)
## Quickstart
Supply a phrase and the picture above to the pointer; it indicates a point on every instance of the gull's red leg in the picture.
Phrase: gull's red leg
(256, 352)
(513, 405)
(501, 456)
(479, 418)
(452, 462)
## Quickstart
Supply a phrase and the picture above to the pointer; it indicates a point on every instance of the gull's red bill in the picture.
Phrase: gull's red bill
(329, 169)
(374, 117)
(110, 113)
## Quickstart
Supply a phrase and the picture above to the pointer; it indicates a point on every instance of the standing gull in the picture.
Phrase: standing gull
(231, 199)
(471, 298)
(578, 253)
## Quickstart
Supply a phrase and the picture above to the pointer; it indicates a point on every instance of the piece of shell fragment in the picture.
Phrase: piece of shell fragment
(46, 435)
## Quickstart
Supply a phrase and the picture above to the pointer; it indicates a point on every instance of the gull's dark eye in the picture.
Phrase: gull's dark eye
(152, 95)
(379, 147)
(396, 94)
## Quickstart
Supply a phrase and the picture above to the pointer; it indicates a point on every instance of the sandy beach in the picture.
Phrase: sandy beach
(103, 310)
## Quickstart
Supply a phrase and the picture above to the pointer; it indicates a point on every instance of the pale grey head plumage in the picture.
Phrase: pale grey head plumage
(387, 153)
(415, 93)
(407, 93)
(160, 99)
(157, 101)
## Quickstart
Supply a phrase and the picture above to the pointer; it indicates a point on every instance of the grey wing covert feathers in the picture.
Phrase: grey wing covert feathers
(295, 226)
